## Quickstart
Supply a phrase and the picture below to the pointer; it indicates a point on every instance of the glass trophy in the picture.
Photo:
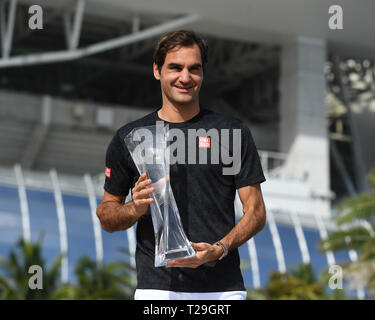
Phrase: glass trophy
(148, 148)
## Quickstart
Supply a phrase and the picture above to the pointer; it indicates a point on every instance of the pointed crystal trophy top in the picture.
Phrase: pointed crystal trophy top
(148, 148)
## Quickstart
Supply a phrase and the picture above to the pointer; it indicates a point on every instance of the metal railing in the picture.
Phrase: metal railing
(272, 162)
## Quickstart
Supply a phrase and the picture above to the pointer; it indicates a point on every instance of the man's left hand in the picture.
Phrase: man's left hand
(205, 252)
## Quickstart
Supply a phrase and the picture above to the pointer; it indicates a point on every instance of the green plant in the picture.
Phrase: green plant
(14, 283)
(356, 231)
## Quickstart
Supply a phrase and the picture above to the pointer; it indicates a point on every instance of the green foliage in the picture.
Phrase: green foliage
(358, 207)
(304, 272)
(371, 179)
(298, 283)
(110, 281)
(288, 287)
(356, 216)
(353, 238)
(14, 284)
(255, 294)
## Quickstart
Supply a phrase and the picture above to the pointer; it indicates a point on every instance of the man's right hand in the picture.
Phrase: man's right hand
(114, 215)
(140, 195)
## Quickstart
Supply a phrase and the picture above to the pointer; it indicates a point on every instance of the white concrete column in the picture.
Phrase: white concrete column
(303, 127)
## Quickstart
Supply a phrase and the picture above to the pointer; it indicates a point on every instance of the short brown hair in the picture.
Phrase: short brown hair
(182, 38)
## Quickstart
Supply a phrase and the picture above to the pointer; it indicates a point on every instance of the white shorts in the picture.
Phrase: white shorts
(153, 294)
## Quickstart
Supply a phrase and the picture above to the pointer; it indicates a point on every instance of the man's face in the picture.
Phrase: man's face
(181, 75)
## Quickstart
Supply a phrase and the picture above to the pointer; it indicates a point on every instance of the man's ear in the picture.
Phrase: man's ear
(156, 72)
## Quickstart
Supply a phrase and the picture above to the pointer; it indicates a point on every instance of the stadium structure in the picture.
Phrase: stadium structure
(306, 92)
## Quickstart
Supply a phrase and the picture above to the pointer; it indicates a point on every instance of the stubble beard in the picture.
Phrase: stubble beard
(177, 99)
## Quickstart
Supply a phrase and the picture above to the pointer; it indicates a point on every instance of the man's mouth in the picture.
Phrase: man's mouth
(184, 89)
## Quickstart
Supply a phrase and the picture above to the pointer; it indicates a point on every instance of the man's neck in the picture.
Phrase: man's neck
(173, 113)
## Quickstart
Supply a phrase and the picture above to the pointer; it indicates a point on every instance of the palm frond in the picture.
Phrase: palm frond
(353, 238)
(359, 207)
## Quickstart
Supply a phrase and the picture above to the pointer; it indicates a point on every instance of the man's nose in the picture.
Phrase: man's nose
(185, 75)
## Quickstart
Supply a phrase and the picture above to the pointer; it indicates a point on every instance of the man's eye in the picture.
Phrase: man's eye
(195, 69)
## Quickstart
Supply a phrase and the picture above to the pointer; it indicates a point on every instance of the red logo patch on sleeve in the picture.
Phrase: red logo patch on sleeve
(204, 142)
(107, 172)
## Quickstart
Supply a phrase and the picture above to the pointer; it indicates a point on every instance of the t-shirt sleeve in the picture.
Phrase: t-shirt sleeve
(119, 176)
(251, 171)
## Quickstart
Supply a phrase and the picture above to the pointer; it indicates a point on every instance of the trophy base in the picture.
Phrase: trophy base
(163, 259)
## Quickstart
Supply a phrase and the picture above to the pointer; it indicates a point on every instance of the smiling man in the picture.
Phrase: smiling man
(203, 193)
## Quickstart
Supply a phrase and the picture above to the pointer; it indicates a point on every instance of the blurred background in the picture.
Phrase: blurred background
(306, 91)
